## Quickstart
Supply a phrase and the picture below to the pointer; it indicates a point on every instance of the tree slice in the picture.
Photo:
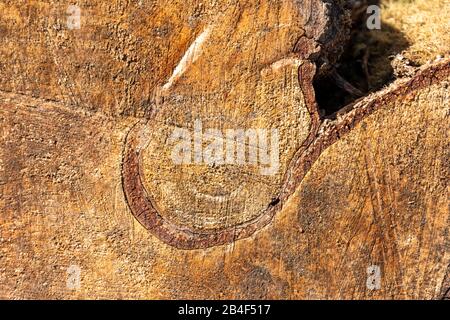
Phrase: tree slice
(241, 100)
(131, 48)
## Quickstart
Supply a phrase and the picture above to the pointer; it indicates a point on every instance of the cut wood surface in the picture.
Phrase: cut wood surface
(132, 48)
(90, 118)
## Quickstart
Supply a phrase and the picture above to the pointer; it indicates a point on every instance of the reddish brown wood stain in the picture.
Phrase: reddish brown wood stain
(182, 237)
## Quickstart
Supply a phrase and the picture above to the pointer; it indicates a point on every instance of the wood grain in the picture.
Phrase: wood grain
(88, 182)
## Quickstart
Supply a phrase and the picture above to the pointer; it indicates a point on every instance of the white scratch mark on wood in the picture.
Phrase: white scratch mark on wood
(189, 58)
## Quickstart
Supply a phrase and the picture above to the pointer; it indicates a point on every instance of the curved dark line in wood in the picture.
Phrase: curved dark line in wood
(322, 136)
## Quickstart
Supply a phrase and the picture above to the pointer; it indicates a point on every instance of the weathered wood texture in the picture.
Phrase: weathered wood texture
(87, 179)
(229, 65)
(133, 47)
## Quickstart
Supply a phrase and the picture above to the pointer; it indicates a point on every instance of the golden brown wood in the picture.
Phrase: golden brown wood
(88, 182)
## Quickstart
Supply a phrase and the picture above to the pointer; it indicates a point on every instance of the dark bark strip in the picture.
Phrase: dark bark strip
(184, 238)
